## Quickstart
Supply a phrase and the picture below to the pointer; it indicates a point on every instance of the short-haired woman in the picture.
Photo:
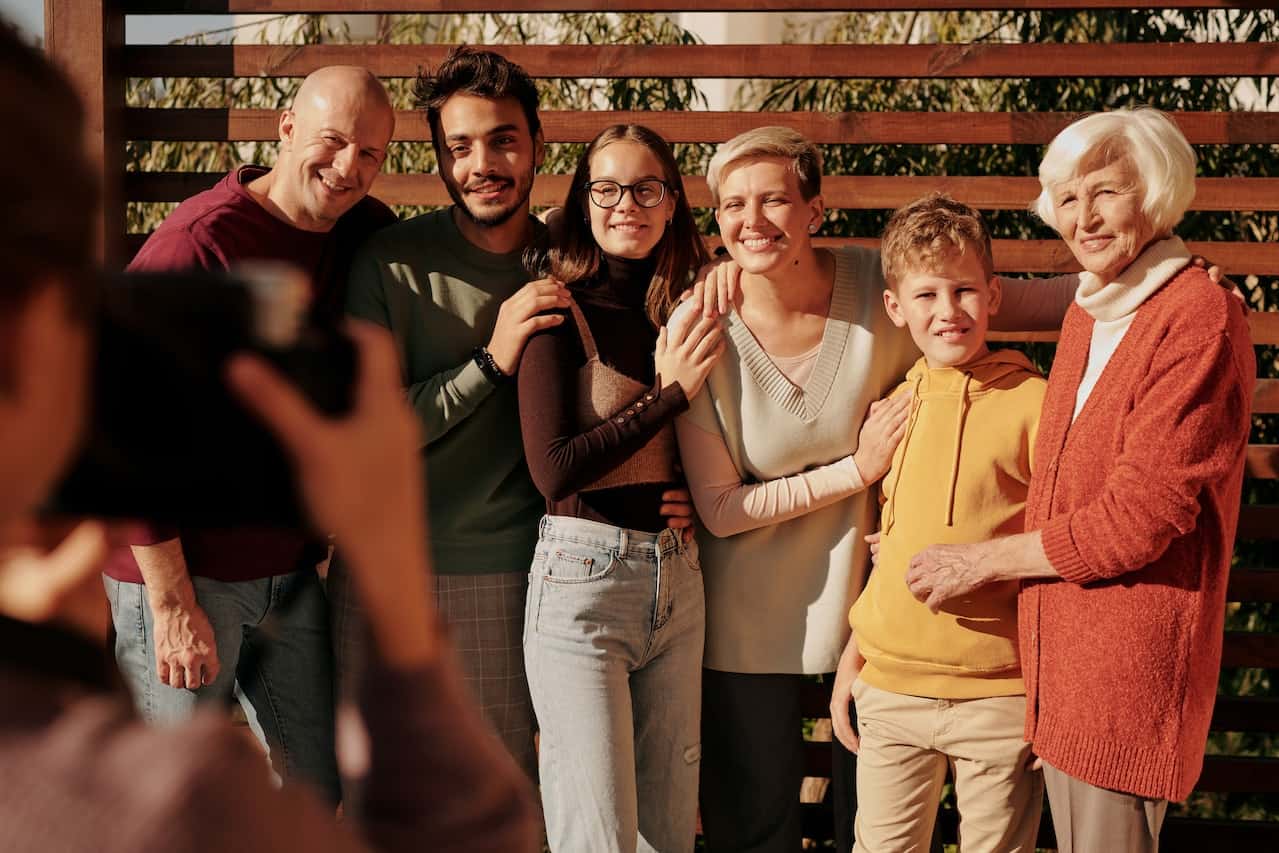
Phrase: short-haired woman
(1133, 508)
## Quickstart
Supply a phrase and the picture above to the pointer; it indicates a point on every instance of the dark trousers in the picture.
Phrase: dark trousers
(753, 765)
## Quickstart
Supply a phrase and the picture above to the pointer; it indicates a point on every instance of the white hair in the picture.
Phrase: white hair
(1164, 161)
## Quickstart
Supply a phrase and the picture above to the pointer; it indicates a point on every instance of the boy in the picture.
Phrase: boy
(933, 691)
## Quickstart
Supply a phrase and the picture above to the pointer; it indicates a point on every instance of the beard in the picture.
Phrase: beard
(491, 217)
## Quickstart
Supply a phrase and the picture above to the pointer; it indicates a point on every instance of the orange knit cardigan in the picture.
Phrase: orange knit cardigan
(1138, 503)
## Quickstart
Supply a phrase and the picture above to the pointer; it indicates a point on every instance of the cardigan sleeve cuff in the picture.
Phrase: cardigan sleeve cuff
(1063, 554)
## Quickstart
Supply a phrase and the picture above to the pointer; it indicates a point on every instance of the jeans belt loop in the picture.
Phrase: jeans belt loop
(623, 542)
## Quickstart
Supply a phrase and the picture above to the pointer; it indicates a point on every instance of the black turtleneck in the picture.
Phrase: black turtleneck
(562, 458)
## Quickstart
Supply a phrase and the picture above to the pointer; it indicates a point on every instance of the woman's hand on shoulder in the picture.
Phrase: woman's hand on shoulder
(686, 355)
(882, 431)
(717, 286)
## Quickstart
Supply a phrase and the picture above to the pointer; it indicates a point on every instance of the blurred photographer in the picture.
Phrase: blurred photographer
(78, 771)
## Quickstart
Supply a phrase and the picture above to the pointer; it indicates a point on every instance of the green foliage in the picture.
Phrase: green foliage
(415, 157)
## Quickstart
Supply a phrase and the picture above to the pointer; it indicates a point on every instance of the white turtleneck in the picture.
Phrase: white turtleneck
(1113, 305)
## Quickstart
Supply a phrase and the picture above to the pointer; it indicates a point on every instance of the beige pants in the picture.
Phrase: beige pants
(1089, 819)
(907, 745)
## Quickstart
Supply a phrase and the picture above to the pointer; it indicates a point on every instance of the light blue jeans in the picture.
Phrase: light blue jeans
(613, 636)
(288, 697)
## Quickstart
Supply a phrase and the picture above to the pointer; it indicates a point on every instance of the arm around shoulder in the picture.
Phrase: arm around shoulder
(727, 505)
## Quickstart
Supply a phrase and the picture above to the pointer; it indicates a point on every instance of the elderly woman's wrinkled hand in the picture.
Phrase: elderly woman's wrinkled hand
(943, 572)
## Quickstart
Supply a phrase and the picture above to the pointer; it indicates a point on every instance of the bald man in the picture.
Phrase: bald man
(186, 603)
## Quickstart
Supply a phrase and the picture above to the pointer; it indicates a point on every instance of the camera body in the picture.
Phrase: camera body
(167, 441)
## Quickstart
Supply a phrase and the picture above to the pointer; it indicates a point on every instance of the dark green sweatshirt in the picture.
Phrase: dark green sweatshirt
(439, 296)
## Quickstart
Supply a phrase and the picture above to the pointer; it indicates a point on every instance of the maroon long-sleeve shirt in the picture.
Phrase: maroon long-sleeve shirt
(214, 230)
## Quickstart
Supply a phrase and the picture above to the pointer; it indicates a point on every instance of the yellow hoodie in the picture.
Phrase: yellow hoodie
(959, 475)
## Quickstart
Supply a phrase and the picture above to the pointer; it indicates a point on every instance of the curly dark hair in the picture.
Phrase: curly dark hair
(482, 73)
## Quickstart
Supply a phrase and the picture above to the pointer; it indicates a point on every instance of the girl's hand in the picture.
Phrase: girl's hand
(717, 286)
(688, 360)
(882, 431)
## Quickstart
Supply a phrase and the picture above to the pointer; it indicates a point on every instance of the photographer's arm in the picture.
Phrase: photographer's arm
(186, 654)
(435, 774)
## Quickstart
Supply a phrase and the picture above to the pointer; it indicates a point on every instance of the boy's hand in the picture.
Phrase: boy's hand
(882, 431)
(872, 539)
(850, 666)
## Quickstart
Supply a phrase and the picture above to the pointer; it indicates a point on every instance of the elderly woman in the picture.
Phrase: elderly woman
(1132, 512)
(779, 454)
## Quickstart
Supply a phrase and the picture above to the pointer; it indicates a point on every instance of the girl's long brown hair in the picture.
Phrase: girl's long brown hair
(679, 253)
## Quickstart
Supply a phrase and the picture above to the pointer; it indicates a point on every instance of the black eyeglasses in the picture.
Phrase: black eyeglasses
(647, 193)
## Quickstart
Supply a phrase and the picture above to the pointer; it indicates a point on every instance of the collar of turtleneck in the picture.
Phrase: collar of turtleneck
(622, 281)
(1151, 270)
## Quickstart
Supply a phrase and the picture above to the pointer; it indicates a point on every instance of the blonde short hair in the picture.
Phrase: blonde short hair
(771, 141)
(1164, 161)
(925, 234)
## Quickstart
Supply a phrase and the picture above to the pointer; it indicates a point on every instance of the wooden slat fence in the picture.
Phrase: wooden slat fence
(87, 37)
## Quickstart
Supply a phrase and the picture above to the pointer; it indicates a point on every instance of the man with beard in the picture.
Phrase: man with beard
(453, 289)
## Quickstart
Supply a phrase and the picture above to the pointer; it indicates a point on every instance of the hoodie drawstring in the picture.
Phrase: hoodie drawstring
(960, 419)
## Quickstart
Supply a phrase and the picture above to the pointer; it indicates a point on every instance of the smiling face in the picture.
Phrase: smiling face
(763, 217)
(1099, 216)
(628, 229)
(487, 157)
(947, 310)
(332, 144)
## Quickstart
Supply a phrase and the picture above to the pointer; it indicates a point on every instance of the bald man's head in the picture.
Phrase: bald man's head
(332, 144)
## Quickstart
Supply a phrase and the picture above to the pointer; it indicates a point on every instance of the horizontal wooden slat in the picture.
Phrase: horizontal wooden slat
(1266, 399)
(139, 7)
(814, 699)
(1246, 714)
(1253, 585)
(1258, 522)
(1223, 773)
(860, 192)
(817, 758)
(1262, 461)
(946, 61)
(1265, 331)
(1202, 128)
(1250, 648)
(1186, 835)
(1051, 256)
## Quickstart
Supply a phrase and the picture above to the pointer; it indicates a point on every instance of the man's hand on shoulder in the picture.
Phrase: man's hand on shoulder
(521, 316)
